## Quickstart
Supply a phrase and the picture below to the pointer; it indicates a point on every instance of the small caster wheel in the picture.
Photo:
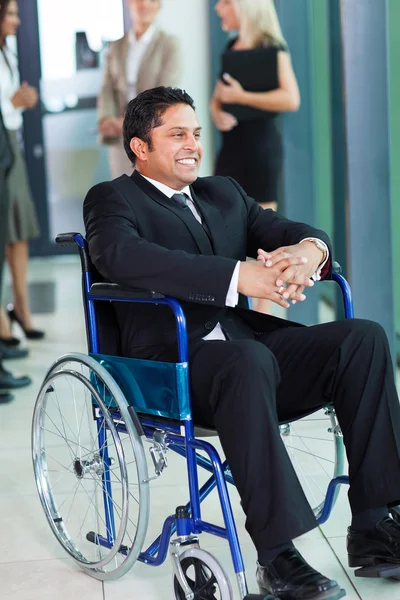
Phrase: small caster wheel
(204, 576)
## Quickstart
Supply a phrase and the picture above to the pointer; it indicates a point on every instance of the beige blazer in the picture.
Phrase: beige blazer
(161, 65)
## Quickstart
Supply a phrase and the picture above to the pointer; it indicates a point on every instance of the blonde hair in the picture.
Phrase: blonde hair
(259, 23)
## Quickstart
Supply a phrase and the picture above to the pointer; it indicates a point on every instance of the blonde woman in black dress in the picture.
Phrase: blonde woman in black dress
(252, 150)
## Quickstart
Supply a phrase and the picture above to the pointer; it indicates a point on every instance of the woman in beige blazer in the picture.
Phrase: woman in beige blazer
(144, 58)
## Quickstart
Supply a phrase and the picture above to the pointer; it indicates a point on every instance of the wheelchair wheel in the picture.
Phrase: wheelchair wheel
(204, 575)
(90, 467)
(315, 446)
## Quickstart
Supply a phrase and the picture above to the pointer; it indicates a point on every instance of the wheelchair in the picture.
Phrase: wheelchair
(93, 417)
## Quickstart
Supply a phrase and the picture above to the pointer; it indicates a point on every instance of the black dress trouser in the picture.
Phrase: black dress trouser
(244, 388)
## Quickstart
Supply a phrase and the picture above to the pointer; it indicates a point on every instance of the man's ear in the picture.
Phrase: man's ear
(139, 148)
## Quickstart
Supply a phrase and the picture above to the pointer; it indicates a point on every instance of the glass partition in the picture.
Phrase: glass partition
(71, 72)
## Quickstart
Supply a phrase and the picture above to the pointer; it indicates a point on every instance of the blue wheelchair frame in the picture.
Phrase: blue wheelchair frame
(185, 445)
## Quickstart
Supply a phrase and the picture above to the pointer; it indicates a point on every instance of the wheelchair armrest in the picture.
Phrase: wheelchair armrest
(66, 239)
(336, 268)
(345, 289)
(114, 290)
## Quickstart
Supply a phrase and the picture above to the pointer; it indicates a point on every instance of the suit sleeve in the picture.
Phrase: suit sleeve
(106, 105)
(268, 230)
(122, 256)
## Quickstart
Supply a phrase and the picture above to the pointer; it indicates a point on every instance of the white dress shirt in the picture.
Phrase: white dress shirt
(232, 297)
(9, 84)
(317, 274)
(136, 50)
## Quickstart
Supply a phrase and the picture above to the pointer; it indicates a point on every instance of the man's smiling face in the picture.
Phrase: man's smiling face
(175, 154)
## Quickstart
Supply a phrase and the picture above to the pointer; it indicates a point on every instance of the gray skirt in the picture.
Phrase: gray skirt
(22, 222)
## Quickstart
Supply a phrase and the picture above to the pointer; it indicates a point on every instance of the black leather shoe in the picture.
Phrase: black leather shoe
(12, 351)
(12, 341)
(5, 397)
(377, 550)
(9, 382)
(289, 577)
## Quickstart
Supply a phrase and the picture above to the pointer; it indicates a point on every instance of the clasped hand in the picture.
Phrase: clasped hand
(282, 275)
(294, 278)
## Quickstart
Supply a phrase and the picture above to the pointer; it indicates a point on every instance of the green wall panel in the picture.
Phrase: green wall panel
(394, 56)
(322, 141)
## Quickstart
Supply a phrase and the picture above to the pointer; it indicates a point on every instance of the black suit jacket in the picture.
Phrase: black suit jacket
(140, 238)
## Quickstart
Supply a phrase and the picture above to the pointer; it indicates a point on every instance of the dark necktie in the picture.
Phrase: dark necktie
(181, 199)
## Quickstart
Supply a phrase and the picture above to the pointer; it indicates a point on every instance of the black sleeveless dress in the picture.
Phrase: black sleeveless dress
(252, 151)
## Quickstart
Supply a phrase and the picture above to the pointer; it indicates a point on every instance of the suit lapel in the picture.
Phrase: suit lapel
(211, 217)
(194, 227)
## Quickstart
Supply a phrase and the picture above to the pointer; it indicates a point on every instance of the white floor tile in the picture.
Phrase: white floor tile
(25, 534)
(16, 472)
(47, 580)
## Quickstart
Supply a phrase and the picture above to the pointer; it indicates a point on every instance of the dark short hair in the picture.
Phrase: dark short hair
(3, 9)
(145, 111)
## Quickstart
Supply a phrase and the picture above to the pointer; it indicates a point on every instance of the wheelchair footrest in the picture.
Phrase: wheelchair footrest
(95, 538)
(385, 570)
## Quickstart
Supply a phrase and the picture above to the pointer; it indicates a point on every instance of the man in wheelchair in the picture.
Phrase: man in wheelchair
(168, 230)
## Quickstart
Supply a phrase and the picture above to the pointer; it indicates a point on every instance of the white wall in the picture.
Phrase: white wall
(189, 21)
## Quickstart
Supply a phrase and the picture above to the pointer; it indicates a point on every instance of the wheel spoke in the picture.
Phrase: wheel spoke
(86, 457)
(305, 479)
(59, 434)
(63, 437)
(97, 512)
(61, 415)
(310, 454)
(75, 486)
(130, 493)
(316, 457)
(312, 447)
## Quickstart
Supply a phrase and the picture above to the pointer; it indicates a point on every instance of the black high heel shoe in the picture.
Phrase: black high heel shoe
(12, 341)
(30, 334)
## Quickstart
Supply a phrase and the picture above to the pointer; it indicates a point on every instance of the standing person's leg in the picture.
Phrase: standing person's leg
(5, 327)
(3, 225)
(22, 227)
(7, 381)
(4, 395)
(17, 258)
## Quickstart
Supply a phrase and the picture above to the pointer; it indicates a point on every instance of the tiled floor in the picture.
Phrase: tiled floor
(32, 564)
